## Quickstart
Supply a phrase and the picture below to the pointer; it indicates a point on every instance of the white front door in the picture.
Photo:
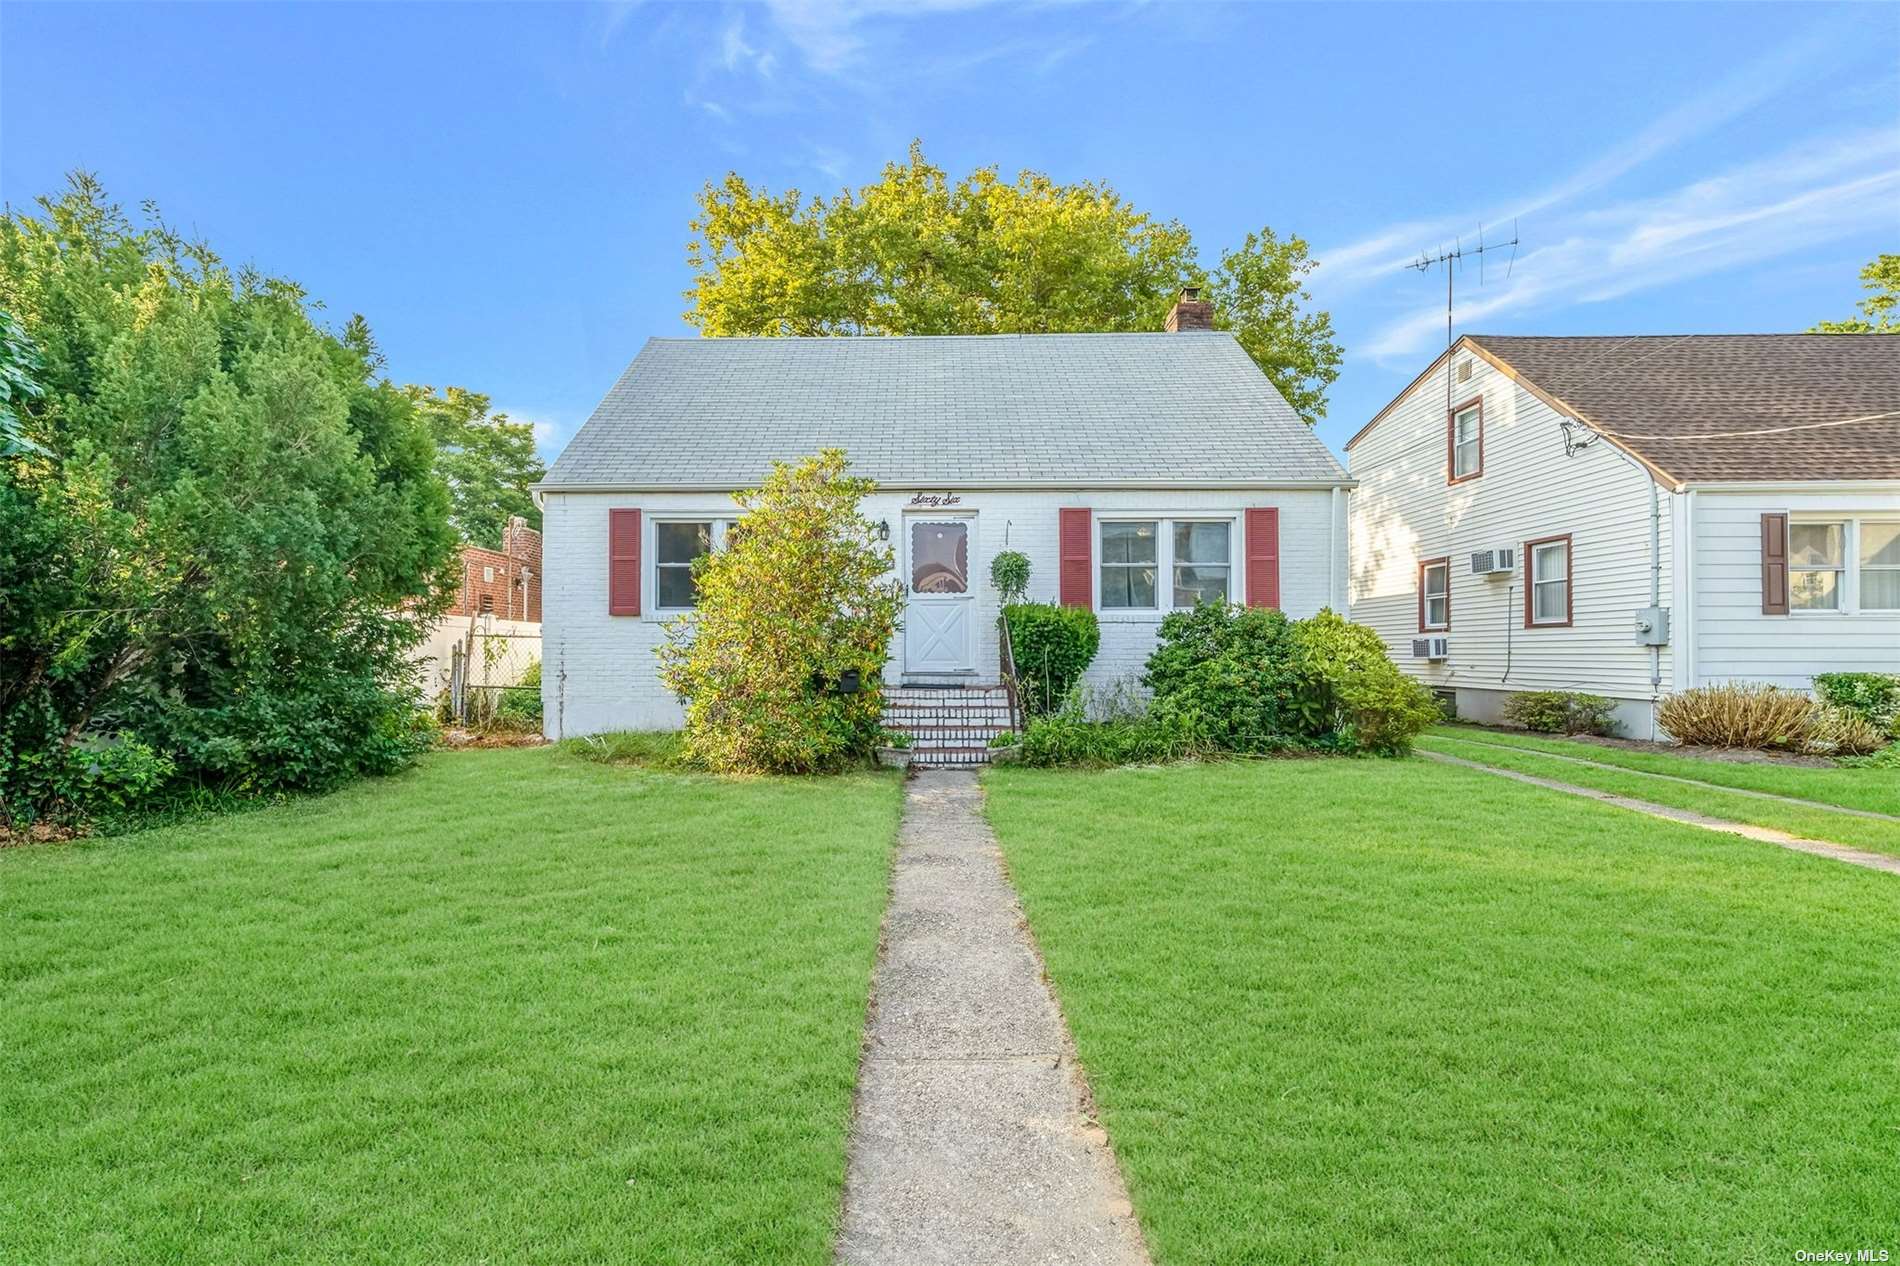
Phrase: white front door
(940, 619)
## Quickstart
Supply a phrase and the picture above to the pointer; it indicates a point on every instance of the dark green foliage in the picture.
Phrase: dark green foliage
(488, 461)
(519, 707)
(1561, 712)
(1874, 696)
(1226, 673)
(1054, 646)
(203, 565)
(1351, 693)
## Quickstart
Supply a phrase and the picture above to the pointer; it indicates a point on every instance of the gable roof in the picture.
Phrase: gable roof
(1806, 406)
(1037, 409)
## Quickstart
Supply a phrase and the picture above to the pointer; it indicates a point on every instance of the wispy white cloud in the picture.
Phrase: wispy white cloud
(1351, 266)
(1749, 214)
(832, 34)
(737, 54)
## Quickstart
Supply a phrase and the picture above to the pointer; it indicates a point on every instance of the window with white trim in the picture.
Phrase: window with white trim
(1844, 564)
(1549, 581)
(1203, 554)
(1817, 565)
(677, 545)
(1434, 596)
(1879, 564)
(1131, 560)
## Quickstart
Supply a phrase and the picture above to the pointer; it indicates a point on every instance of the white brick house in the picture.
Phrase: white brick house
(1746, 485)
(1136, 471)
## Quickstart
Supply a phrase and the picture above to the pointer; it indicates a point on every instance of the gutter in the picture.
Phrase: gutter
(989, 485)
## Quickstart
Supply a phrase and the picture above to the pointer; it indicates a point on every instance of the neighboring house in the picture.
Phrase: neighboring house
(1138, 472)
(505, 583)
(1514, 533)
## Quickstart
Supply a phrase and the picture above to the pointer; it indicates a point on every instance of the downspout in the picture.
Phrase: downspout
(1334, 598)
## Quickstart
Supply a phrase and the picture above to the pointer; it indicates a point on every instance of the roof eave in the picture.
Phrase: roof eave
(982, 485)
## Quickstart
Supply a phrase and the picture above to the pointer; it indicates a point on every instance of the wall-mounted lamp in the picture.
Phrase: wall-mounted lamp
(884, 530)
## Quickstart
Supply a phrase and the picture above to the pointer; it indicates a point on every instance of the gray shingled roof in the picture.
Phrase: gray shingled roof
(1036, 408)
(1675, 399)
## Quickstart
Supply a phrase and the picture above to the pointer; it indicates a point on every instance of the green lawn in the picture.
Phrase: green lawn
(1876, 790)
(510, 1007)
(1813, 819)
(1392, 1011)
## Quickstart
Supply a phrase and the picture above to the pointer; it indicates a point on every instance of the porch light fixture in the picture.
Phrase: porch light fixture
(884, 530)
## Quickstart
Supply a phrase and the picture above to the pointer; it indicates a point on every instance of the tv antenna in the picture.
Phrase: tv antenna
(1449, 260)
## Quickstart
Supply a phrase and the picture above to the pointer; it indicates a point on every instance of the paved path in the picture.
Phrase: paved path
(971, 1143)
(1820, 848)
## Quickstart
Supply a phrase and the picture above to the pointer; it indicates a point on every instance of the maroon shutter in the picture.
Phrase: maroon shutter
(1774, 564)
(1263, 556)
(1075, 545)
(623, 562)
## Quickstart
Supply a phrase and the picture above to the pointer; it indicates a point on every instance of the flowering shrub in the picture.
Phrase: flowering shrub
(798, 605)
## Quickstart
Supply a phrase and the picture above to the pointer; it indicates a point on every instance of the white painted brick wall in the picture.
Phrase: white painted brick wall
(600, 675)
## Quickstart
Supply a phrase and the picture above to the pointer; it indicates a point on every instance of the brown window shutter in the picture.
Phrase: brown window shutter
(1774, 564)
(1075, 545)
(1263, 556)
(623, 562)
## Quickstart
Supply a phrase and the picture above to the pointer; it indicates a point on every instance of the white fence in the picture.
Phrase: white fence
(495, 654)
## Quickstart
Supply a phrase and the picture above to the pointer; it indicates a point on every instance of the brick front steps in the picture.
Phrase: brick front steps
(948, 726)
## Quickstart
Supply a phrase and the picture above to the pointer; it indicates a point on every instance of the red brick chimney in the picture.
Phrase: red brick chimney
(1190, 312)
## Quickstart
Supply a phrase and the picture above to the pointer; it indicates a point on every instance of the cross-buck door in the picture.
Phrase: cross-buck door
(940, 620)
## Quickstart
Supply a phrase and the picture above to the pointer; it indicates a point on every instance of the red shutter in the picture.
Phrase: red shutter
(1774, 564)
(623, 562)
(1263, 557)
(1076, 546)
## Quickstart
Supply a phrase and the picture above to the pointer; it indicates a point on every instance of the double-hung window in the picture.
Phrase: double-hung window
(1434, 595)
(1202, 558)
(1844, 564)
(1547, 582)
(1163, 564)
(1817, 565)
(1465, 441)
(677, 545)
(1131, 561)
(1880, 565)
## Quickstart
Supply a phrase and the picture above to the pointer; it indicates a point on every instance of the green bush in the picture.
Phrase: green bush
(1561, 712)
(1350, 694)
(1053, 645)
(519, 708)
(220, 532)
(1875, 696)
(800, 596)
(1226, 674)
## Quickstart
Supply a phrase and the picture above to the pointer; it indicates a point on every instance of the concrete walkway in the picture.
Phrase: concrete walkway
(971, 1142)
(1767, 834)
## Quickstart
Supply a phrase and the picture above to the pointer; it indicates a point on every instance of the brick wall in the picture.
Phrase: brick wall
(504, 582)
(599, 670)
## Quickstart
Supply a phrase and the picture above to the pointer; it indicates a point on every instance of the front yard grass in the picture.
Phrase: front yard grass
(1876, 790)
(1398, 1011)
(1812, 820)
(512, 1006)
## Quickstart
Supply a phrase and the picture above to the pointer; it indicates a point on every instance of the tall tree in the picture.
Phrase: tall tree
(487, 458)
(1880, 311)
(916, 253)
(212, 516)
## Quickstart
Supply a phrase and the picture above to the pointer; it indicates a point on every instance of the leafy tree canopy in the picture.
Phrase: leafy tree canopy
(1880, 310)
(915, 253)
(209, 518)
(488, 461)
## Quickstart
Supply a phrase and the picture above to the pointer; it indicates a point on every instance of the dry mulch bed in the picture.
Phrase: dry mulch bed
(460, 739)
(38, 833)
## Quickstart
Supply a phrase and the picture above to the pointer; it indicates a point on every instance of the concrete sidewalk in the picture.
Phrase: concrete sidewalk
(970, 1143)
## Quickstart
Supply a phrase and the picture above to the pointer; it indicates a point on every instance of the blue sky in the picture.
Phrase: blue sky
(504, 190)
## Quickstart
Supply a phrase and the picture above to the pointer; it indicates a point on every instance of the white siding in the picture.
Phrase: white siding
(599, 672)
(1733, 639)
(1404, 511)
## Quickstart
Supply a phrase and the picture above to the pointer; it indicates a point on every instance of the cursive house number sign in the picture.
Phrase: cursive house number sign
(935, 499)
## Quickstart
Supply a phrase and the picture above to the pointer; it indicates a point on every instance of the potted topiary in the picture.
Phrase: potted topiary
(893, 749)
